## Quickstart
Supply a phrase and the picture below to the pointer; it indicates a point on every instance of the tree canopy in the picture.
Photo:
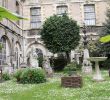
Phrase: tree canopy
(106, 32)
(60, 34)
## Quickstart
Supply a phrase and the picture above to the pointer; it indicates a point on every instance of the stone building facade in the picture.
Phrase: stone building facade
(90, 12)
(11, 36)
(21, 37)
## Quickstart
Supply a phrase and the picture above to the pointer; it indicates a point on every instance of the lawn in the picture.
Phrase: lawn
(52, 90)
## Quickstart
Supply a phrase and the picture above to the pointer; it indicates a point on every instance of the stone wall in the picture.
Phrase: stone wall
(13, 35)
(75, 10)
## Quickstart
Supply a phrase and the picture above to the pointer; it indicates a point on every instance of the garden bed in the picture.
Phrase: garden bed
(71, 81)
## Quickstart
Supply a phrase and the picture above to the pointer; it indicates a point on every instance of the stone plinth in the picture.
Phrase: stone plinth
(71, 81)
(87, 69)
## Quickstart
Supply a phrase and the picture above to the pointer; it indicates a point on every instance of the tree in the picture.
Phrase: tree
(60, 34)
(105, 39)
(94, 48)
(106, 31)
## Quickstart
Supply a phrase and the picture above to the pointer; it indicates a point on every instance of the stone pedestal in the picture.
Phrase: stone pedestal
(71, 81)
(47, 67)
(97, 76)
(86, 68)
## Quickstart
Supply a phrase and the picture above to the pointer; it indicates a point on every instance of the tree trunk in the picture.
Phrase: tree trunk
(68, 57)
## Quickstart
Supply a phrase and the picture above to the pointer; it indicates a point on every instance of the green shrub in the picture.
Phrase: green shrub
(73, 66)
(29, 75)
(105, 64)
(18, 74)
(58, 63)
(6, 76)
(40, 60)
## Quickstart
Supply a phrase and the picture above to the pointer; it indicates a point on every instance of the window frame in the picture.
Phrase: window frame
(61, 7)
(87, 13)
(5, 3)
(35, 15)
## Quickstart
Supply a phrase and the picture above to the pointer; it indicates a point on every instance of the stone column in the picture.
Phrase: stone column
(97, 76)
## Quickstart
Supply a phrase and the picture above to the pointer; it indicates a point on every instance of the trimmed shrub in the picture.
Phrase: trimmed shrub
(72, 67)
(58, 63)
(6, 76)
(29, 75)
(18, 74)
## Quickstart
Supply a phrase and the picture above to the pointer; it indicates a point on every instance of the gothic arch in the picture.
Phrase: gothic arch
(38, 45)
(17, 53)
(8, 40)
(40, 51)
(18, 45)
(6, 50)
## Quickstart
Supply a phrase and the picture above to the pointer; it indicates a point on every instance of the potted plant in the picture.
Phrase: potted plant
(71, 69)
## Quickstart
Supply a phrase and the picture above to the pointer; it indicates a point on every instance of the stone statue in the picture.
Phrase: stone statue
(72, 55)
(47, 68)
(33, 59)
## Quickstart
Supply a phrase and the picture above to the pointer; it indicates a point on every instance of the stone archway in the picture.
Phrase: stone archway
(40, 57)
(17, 54)
(39, 47)
(6, 50)
(38, 52)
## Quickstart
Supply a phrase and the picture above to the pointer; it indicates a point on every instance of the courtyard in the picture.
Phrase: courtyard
(52, 90)
(54, 50)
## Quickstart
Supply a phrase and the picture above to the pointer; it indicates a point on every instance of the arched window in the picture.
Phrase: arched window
(3, 51)
(16, 57)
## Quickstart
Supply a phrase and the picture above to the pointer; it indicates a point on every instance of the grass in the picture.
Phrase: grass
(52, 90)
